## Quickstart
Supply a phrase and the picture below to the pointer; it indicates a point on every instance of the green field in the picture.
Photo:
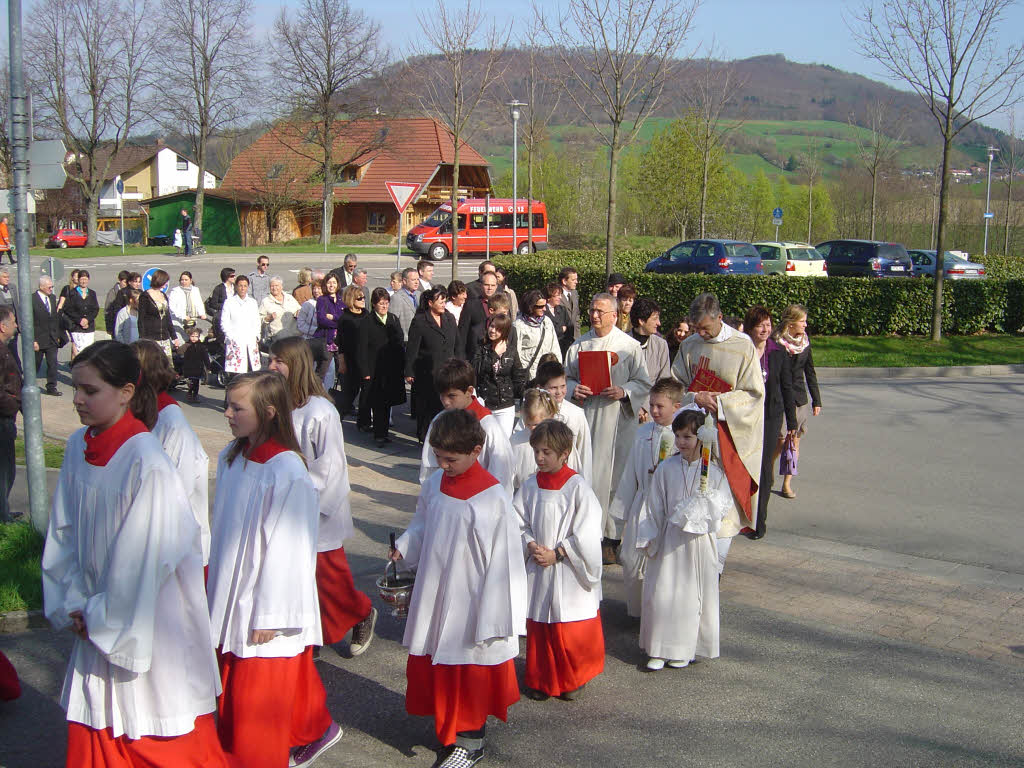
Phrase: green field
(100, 251)
(912, 351)
(21, 579)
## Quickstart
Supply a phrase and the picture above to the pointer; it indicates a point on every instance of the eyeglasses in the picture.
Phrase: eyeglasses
(596, 311)
(360, 298)
(540, 306)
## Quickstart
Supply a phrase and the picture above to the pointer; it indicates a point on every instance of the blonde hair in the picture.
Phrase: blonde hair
(303, 383)
(791, 314)
(538, 401)
(305, 274)
(268, 390)
(350, 293)
(499, 303)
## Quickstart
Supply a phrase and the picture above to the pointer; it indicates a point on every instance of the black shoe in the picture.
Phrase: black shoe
(533, 693)
(459, 757)
(53, 392)
(572, 695)
(753, 535)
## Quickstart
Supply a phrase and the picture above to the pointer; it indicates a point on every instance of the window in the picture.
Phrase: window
(478, 221)
(181, 163)
(376, 221)
(680, 253)
(274, 171)
(768, 252)
(131, 190)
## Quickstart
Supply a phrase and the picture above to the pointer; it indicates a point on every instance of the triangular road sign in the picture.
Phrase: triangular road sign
(402, 193)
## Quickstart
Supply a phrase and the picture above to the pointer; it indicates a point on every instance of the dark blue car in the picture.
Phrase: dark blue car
(709, 257)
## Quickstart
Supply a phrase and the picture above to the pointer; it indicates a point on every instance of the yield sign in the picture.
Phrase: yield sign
(402, 193)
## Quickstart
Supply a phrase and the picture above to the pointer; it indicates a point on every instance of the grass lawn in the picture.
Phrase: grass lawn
(106, 250)
(53, 452)
(21, 550)
(908, 351)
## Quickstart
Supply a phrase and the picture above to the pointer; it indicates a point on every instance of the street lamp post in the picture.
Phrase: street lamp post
(513, 110)
(988, 197)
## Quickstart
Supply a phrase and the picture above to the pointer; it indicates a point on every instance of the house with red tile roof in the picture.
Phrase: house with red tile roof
(280, 169)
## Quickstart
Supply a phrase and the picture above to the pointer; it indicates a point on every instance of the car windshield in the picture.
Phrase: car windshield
(741, 251)
(439, 217)
(804, 254)
(892, 251)
(949, 256)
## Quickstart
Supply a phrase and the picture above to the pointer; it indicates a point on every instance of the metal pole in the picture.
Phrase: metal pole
(776, 233)
(515, 176)
(31, 407)
(398, 258)
(487, 225)
(120, 201)
(988, 198)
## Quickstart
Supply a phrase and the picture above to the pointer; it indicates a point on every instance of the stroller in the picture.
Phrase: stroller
(197, 243)
(217, 376)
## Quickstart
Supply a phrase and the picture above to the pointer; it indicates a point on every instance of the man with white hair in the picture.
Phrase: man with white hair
(360, 278)
(47, 332)
(611, 411)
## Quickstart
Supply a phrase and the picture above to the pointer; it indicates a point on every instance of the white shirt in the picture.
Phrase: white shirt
(318, 429)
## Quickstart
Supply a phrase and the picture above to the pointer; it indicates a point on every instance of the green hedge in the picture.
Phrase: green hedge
(1002, 267)
(837, 305)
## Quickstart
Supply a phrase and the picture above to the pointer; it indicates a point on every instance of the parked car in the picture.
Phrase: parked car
(955, 266)
(709, 257)
(791, 259)
(866, 258)
(485, 226)
(67, 238)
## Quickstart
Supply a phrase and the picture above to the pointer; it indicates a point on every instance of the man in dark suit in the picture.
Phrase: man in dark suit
(473, 320)
(475, 289)
(569, 279)
(559, 316)
(47, 332)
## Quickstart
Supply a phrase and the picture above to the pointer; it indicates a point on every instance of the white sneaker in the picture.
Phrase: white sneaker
(655, 664)
(678, 664)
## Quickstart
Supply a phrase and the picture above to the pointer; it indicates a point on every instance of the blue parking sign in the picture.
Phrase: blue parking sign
(777, 213)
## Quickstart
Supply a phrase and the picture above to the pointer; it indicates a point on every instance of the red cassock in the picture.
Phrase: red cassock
(459, 696)
(256, 728)
(199, 748)
(342, 606)
(563, 656)
(10, 688)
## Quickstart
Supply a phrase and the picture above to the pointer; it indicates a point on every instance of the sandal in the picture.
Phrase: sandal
(790, 494)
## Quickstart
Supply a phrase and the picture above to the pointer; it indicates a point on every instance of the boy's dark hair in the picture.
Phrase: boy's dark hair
(123, 275)
(552, 434)
(422, 263)
(548, 370)
(672, 389)
(565, 272)
(552, 289)
(688, 419)
(454, 374)
(456, 431)
(642, 309)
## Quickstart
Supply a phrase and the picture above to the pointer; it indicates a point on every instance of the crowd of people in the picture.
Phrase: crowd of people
(548, 454)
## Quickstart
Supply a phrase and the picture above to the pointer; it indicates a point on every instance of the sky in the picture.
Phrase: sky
(804, 31)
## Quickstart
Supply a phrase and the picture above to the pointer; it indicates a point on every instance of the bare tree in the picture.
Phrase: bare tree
(207, 76)
(1009, 151)
(877, 150)
(91, 62)
(319, 59)
(810, 170)
(464, 61)
(617, 56)
(947, 51)
(708, 94)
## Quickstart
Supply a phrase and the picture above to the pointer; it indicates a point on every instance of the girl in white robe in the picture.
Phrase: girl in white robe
(560, 519)
(677, 533)
(179, 440)
(318, 430)
(537, 406)
(654, 442)
(262, 586)
(468, 606)
(122, 568)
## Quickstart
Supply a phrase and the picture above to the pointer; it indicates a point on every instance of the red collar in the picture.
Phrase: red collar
(478, 410)
(163, 400)
(553, 481)
(265, 451)
(469, 483)
(100, 449)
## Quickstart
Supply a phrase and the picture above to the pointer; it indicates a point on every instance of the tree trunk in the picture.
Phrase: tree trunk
(91, 216)
(197, 217)
(810, 207)
(613, 162)
(705, 161)
(874, 192)
(327, 200)
(1009, 203)
(455, 209)
(529, 198)
(947, 146)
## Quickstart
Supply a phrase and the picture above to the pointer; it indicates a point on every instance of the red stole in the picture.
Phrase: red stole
(467, 485)
(553, 481)
(265, 451)
(100, 448)
(163, 400)
(478, 410)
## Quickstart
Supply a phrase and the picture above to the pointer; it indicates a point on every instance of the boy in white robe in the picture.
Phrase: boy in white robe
(560, 519)
(677, 533)
(551, 377)
(468, 607)
(654, 442)
(455, 382)
(537, 405)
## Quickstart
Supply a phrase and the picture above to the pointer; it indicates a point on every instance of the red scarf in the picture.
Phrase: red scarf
(100, 448)
(265, 451)
(478, 410)
(553, 481)
(163, 400)
(468, 484)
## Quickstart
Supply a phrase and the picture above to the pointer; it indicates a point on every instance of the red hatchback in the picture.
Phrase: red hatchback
(67, 238)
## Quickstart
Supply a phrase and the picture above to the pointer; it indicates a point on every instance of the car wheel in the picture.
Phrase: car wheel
(437, 252)
(63, 243)
(523, 249)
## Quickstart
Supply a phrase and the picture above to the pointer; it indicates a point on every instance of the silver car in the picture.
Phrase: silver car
(954, 266)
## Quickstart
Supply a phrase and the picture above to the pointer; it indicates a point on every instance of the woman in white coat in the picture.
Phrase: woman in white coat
(186, 303)
(241, 324)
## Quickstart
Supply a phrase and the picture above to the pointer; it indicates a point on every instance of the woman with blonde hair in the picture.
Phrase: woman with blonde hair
(350, 332)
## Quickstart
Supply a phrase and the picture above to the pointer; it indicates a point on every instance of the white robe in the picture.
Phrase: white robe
(630, 499)
(318, 429)
(569, 518)
(123, 548)
(680, 610)
(613, 424)
(240, 321)
(469, 602)
(263, 556)
(496, 457)
(573, 417)
(524, 464)
(185, 451)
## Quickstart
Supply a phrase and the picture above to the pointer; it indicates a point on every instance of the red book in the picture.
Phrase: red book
(706, 380)
(596, 370)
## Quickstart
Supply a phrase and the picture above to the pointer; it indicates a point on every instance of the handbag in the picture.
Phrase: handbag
(788, 459)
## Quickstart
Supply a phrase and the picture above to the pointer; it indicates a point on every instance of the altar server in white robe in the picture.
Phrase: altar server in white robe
(551, 377)
(262, 585)
(468, 607)
(318, 430)
(677, 533)
(455, 382)
(179, 440)
(654, 443)
(613, 412)
(560, 520)
(122, 568)
(537, 405)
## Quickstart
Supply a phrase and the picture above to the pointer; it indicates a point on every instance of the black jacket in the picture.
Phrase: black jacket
(499, 381)
(196, 360)
(778, 388)
(802, 369)
(47, 323)
(472, 326)
(563, 326)
(151, 326)
(351, 328)
(75, 308)
(382, 357)
(430, 346)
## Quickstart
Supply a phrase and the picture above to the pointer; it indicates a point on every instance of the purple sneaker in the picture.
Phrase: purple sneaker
(308, 753)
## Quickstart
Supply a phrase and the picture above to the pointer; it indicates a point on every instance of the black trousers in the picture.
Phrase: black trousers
(7, 434)
(377, 411)
(772, 426)
(51, 365)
